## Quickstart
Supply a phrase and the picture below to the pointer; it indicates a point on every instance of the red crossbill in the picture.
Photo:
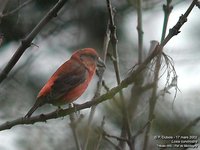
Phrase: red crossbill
(70, 80)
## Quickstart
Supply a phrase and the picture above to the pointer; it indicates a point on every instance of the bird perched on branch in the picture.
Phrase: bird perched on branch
(70, 80)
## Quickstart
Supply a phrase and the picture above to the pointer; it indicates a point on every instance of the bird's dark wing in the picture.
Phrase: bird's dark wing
(66, 82)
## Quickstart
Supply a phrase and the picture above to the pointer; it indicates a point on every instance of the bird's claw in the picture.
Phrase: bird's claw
(58, 110)
(74, 105)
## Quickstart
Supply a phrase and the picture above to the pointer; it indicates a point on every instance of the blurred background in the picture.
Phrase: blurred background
(82, 24)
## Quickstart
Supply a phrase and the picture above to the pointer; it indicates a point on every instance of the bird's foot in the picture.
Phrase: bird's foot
(74, 105)
(58, 110)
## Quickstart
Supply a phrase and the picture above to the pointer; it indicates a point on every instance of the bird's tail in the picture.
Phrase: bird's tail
(31, 111)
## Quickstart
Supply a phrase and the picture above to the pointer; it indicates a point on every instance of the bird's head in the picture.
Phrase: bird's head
(89, 57)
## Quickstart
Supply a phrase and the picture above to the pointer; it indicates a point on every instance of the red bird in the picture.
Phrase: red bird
(70, 80)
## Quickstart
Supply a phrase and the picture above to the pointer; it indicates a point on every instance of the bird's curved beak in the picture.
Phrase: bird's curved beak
(100, 63)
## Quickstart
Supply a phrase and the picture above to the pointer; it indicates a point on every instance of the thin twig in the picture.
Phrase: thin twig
(99, 86)
(2, 7)
(114, 137)
(25, 43)
(73, 126)
(171, 73)
(60, 113)
(105, 134)
(152, 102)
(63, 112)
(114, 41)
(100, 136)
(188, 126)
(113, 144)
(16, 9)
(105, 86)
(167, 11)
(106, 42)
(140, 31)
(182, 19)
(153, 99)
(139, 132)
(136, 90)
(92, 111)
(1, 39)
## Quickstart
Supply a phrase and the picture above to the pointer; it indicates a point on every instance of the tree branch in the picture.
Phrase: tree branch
(188, 126)
(172, 32)
(2, 7)
(140, 31)
(16, 9)
(113, 37)
(167, 10)
(99, 84)
(63, 112)
(73, 125)
(182, 19)
(100, 134)
(25, 43)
